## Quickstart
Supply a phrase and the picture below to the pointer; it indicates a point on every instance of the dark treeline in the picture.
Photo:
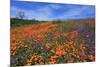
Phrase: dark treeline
(16, 22)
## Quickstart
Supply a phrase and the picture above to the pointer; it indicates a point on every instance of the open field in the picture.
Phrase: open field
(52, 42)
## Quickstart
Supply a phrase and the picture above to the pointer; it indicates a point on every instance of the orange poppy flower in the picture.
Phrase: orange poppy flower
(48, 45)
(52, 50)
(53, 57)
(52, 62)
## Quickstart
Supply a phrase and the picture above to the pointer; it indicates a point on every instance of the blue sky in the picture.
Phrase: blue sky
(52, 11)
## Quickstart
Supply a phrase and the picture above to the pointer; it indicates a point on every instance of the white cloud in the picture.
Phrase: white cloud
(46, 12)
(42, 13)
(73, 13)
(55, 6)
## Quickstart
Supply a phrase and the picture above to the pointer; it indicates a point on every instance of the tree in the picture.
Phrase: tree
(21, 15)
